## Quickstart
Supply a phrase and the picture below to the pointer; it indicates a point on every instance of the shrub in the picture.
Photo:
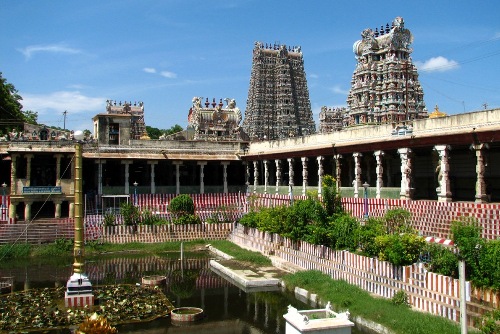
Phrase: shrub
(400, 298)
(490, 322)
(130, 213)
(400, 249)
(222, 214)
(12, 251)
(249, 219)
(149, 218)
(442, 260)
(109, 219)
(489, 261)
(344, 232)
(398, 221)
(181, 205)
(186, 219)
(332, 201)
(301, 214)
(367, 233)
(466, 235)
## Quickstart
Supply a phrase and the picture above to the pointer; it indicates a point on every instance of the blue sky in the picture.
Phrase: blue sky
(75, 55)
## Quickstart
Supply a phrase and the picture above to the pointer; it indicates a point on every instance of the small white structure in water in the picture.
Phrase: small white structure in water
(323, 321)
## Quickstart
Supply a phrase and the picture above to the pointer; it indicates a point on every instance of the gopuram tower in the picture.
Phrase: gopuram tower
(278, 103)
(385, 86)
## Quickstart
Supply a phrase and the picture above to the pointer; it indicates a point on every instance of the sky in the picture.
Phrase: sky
(64, 55)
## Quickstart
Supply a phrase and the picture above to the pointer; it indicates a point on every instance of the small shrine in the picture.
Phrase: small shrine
(317, 321)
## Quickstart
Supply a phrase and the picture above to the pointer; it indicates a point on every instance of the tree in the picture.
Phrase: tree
(10, 106)
(155, 133)
(30, 117)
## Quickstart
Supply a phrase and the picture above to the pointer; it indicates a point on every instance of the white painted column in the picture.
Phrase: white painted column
(177, 177)
(481, 195)
(58, 171)
(28, 169)
(406, 166)
(320, 174)
(202, 165)
(290, 176)
(266, 175)
(304, 175)
(127, 164)
(224, 174)
(338, 170)
(278, 174)
(443, 190)
(27, 210)
(57, 213)
(380, 171)
(153, 163)
(357, 173)
(255, 175)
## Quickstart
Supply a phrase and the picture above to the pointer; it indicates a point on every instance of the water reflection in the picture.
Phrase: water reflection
(190, 282)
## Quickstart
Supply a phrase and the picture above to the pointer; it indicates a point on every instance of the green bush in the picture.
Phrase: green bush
(331, 199)
(149, 218)
(367, 233)
(441, 260)
(130, 213)
(181, 205)
(186, 219)
(109, 219)
(12, 251)
(400, 249)
(489, 262)
(249, 219)
(466, 235)
(397, 220)
(222, 214)
(301, 214)
(344, 232)
(400, 298)
(490, 322)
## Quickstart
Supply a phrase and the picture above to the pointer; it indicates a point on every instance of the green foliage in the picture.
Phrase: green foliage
(181, 205)
(11, 106)
(367, 234)
(301, 214)
(398, 221)
(13, 251)
(400, 249)
(331, 199)
(186, 219)
(109, 219)
(466, 235)
(250, 219)
(489, 262)
(400, 298)
(149, 218)
(155, 133)
(64, 245)
(130, 213)
(490, 322)
(344, 232)
(240, 254)
(442, 260)
(222, 214)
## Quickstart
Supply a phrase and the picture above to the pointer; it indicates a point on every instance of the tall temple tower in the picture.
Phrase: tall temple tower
(278, 103)
(385, 86)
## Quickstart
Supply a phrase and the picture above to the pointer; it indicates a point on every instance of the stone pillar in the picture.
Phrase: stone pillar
(338, 170)
(247, 172)
(278, 174)
(255, 175)
(99, 175)
(224, 175)
(177, 177)
(406, 191)
(320, 174)
(57, 209)
(27, 211)
(12, 210)
(481, 194)
(380, 172)
(356, 183)
(290, 172)
(443, 190)
(304, 175)
(72, 209)
(152, 163)
(28, 169)
(266, 175)
(202, 165)
(127, 164)
(13, 179)
(58, 171)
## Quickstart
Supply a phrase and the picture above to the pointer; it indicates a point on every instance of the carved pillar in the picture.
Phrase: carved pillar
(481, 194)
(320, 174)
(380, 171)
(357, 173)
(177, 177)
(247, 172)
(278, 174)
(153, 163)
(72, 209)
(58, 170)
(304, 175)
(255, 175)
(127, 164)
(13, 179)
(28, 169)
(266, 175)
(290, 172)
(100, 164)
(202, 165)
(224, 175)
(406, 173)
(443, 169)
(338, 170)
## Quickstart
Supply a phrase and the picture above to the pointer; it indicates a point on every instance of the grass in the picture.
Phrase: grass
(343, 296)
(240, 254)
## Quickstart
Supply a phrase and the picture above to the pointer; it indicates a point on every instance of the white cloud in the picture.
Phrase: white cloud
(31, 50)
(313, 76)
(72, 101)
(437, 64)
(338, 90)
(168, 74)
(149, 70)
